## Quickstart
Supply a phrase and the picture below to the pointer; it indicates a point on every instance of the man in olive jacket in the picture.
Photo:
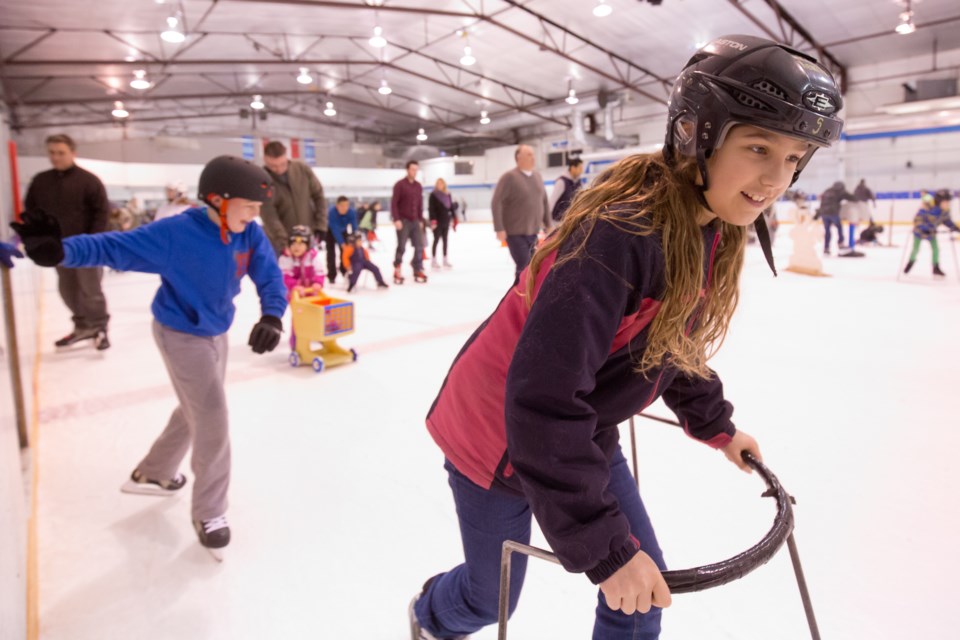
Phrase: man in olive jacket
(297, 198)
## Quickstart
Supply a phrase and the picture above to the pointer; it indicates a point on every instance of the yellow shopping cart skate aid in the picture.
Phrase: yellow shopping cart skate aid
(319, 320)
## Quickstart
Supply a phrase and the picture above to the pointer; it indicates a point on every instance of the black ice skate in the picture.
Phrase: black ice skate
(937, 271)
(140, 484)
(75, 336)
(214, 535)
(397, 278)
(909, 266)
(419, 276)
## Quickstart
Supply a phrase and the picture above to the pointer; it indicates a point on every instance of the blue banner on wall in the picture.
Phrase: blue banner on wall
(249, 151)
(309, 152)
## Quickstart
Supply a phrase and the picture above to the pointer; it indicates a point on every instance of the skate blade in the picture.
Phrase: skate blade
(216, 554)
(145, 489)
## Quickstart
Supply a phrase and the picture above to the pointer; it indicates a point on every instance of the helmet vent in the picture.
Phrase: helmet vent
(772, 89)
(751, 102)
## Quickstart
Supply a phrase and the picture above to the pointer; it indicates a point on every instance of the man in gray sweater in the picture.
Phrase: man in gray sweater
(520, 208)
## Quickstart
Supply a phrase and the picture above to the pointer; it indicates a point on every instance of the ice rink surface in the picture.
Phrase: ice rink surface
(340, 507)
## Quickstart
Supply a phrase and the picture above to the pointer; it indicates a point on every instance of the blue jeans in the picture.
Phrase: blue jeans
(521, 249)
(465, 599)
(827, 222)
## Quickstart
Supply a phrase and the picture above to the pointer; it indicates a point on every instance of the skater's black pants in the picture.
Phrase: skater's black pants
(521, 249)
(333, 265)
(440, 233)
(83, 295)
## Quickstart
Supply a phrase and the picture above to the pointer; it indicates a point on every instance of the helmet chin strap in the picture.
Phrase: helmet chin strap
(763, 237)
(760, 224)
(224, 237)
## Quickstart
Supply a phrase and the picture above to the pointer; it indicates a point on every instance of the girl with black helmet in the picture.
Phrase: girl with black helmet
(623, 303)
(201, 255)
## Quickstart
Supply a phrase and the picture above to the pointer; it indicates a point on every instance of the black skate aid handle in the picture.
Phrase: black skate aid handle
(707, 576)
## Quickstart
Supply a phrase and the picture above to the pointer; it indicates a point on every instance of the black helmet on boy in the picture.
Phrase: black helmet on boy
(230, 177)
(742, 79)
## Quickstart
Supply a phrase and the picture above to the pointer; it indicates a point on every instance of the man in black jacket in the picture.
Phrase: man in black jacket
(78, 200)
(829, 212)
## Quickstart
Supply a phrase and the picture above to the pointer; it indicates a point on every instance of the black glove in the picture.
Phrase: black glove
(41, 237)
(266, 334)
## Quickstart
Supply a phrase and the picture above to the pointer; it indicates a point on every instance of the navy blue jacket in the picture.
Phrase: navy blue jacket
(532, 403)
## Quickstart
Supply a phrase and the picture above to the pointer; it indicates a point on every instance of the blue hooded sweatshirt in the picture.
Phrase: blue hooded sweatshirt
(199, 274)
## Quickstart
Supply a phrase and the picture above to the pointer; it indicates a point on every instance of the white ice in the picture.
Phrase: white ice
(339, 503)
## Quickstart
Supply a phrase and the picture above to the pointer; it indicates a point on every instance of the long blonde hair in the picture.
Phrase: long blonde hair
(663, 199)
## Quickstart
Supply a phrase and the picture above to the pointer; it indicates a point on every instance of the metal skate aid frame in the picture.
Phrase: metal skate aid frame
(707, 576)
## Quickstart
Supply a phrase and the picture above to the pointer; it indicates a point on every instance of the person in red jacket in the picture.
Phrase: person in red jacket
(406, 209)
(623, 303)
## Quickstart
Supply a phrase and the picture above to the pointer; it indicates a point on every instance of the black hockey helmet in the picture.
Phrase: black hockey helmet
(231, 177)
(301, 233)
(747, 80)
(941, 196)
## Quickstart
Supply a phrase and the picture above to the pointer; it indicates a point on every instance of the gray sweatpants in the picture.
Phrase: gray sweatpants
(197, 366)
(83, 295)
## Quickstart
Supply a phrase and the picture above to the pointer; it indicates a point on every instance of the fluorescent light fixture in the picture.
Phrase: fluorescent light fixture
(119, 111)
(602, 10)
(484, 118)
(467, 58)
(257, 103)
(572, 97)
(421, 136)
(330, 111)
(304, 77)
(140, 80)
(378, 41)
(384, 89)
(173, 33)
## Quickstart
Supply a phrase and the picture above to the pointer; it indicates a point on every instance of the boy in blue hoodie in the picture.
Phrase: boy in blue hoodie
(201, 256)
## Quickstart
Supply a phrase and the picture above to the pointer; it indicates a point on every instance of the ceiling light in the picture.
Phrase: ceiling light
(906, 25)
(257, 103)
(330, 111)
(140, 80)
(304, 77)
(384, 89)
(173, 33)
(119, 111)
(467, 58)
(421, 136)
(484, 118)
(602, 10)
(572, 97)
(378, 41)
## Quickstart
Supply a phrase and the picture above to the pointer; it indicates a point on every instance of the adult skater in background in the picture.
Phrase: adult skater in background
(201, 255)
(406, 210)
(527, 416)
(829, 212)
(78, 200)
(442, 209)
(520, 209)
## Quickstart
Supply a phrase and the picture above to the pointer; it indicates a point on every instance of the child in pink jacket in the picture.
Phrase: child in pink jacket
(299, 267)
